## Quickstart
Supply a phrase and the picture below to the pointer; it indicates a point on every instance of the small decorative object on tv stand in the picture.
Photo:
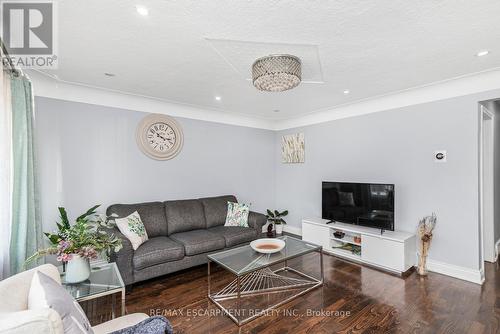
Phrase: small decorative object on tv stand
(339, 234)
(424, 231)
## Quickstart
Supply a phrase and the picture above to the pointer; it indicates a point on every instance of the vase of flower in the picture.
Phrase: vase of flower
(77, 269)
(76, 244)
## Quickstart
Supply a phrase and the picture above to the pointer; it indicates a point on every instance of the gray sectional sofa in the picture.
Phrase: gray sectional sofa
(181, 234)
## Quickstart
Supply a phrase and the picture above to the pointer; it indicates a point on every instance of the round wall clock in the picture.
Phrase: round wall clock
(159, 137)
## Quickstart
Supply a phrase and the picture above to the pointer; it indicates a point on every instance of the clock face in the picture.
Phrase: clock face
(159, 137)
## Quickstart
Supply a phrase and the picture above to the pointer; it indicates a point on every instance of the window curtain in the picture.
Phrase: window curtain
(26, 231)
(5, 171)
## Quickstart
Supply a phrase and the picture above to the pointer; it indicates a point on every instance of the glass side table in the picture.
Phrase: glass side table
(105, 279)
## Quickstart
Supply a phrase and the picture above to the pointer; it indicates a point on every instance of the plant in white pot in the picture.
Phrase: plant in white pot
(275, 217)
(78, 243)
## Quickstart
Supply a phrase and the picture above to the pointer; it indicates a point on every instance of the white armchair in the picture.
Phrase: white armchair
(15, 318)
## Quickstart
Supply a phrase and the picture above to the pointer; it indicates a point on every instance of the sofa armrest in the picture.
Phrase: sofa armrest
(124, 257)
(256, 220)
(42, 321)
(117, 324)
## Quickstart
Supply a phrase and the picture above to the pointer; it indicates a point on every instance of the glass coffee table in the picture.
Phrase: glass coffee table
(264, 281)
(105, 279)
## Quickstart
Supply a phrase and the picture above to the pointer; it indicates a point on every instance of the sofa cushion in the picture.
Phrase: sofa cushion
(199, 241)
(216, 209)
(156, 251)
(185, 215)
(234, 235)
(16, 288)
(152, 215)
(47, 293)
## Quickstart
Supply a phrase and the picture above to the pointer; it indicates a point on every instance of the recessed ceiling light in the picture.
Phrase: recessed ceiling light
(218, 98)
(482, 53)
(142, 10)
(346, 91)
(109, 74)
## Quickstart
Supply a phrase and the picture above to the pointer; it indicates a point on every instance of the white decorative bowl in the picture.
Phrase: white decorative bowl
(267, 246)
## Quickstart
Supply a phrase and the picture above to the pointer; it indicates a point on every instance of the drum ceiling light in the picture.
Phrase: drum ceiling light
(276, 73)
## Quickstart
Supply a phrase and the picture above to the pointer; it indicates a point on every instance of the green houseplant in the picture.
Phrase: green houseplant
(75, 244)
(275, 217)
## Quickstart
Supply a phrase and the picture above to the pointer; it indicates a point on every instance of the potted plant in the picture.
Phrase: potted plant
(275, 217)
(78, 243)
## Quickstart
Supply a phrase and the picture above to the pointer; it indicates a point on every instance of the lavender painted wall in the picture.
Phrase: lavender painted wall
(88, 155)
(397, 147)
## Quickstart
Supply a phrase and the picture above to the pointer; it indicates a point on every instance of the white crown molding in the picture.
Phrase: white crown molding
(470, 84)
(466, 274)
(47, 86)
(460, 86)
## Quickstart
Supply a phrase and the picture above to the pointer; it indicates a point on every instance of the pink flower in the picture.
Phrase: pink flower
(63, 245)
(64, 257)
(88, 252)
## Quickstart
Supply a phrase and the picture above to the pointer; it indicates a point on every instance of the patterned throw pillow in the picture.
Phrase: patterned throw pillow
(237, 214)
(133, 228)
(47, 293)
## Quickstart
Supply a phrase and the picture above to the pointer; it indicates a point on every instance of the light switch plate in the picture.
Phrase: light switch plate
(440, 156)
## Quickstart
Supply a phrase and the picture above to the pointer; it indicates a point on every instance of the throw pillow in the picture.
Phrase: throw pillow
(47, 293)
(237, 214)
(133, 228)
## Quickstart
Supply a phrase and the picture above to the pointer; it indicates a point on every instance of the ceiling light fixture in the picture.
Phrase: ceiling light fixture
(347, 91)
(218, 98)
(276, 73)
(482, 53)
(142, 10)
(276, 110)
(109, 74)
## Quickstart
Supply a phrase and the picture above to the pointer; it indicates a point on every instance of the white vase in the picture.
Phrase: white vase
(77, 269)
(279, 228)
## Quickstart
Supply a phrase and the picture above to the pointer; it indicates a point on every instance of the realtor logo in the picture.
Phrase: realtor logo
(28, 32)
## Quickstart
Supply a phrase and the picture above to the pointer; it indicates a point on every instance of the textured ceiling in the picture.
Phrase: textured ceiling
(191, 51)
(239, 54)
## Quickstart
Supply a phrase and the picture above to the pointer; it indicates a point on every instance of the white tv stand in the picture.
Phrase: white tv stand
(393, 251)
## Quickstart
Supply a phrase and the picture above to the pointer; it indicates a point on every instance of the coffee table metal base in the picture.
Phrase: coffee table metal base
(261, 282)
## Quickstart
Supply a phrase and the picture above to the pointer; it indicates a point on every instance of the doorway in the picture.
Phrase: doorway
(486, 185)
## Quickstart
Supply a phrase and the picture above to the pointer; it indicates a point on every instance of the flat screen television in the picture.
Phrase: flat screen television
(365, 204)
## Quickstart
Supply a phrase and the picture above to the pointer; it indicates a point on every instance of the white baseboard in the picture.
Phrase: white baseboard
(292, 229)
(466, 274)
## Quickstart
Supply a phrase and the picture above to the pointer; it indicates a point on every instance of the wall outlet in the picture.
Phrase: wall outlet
(440, 156)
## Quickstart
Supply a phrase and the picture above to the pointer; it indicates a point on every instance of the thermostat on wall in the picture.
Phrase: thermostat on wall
(440, 156)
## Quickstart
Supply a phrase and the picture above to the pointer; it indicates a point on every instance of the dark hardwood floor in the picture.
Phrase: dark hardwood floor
(354, 299)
